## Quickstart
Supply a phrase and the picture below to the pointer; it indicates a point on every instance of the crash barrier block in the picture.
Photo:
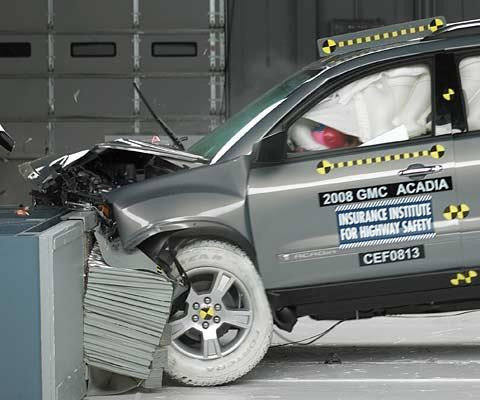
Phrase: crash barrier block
(41, 293)
(160, 360)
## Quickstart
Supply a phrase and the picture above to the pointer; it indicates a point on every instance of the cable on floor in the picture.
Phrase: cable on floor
(312, 339)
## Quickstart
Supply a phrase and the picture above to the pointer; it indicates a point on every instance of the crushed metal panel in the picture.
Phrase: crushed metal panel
(126, 311)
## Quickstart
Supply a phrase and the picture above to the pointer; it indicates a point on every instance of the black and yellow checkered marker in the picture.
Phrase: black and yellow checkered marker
(448, 95)
(466, 278)
(437, 151)
(207, 313)
(379, 36)
(456, 212)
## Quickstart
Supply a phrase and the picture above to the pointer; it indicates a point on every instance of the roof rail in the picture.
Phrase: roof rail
(376, 37)
(457, 29)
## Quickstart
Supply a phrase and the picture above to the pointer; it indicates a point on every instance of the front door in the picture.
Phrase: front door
(359, 212)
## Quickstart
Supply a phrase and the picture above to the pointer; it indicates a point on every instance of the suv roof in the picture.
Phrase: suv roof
(452, 30)
(455, 29)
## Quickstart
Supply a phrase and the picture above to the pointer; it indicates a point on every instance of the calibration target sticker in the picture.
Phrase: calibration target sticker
(391, 256)
(465, 278)
(385, 191)
(324, 167)
(385, 221)
(456, 212)
(380, 36)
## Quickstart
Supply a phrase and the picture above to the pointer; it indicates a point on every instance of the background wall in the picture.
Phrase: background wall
(67, 66)
(270, 39)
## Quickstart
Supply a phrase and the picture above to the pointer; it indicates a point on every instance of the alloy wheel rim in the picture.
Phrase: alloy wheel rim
(217, 317)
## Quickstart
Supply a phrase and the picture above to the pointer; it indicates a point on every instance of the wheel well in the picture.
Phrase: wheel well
(157, 244)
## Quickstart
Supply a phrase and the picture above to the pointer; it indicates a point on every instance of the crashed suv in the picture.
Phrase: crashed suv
(348, 191)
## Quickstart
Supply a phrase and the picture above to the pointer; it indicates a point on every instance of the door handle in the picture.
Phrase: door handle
(419, 170)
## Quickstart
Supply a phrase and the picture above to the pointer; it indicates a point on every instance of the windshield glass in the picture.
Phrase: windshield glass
(210, 144)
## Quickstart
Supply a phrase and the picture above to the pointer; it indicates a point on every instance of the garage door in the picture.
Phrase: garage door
(67, 68)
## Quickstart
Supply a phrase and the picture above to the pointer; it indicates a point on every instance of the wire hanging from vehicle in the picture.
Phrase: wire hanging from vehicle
(311, 339)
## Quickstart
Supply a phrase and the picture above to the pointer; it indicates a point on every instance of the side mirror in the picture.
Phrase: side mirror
(271, 149)
(5, 140)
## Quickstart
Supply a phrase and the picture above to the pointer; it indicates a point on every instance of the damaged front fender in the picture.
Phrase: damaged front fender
(213, 197)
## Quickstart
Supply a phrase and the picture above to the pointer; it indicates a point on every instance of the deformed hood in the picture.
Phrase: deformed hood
(154, 149)
(42, 167)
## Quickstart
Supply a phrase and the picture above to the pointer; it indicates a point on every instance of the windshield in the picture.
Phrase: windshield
(210, 144)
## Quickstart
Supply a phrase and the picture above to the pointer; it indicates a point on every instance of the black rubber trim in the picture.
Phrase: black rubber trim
(413, 293)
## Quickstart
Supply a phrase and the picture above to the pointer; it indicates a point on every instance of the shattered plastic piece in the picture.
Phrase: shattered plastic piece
(333, 358)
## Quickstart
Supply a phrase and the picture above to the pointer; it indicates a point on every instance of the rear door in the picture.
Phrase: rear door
(467, 145)
(357, 213)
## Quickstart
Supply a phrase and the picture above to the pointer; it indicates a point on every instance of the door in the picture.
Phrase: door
(467, 143)
(372, 195)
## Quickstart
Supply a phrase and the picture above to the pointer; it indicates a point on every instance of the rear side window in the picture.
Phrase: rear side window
(470, 76)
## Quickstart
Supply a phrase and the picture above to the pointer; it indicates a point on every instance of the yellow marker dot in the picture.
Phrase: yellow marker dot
(397, 157)
(350, 42)
(341, 44)
(403, 31)
(388, 158)
(412, 30)
(359, 40)
(368, 39)
(386, 35)
(350, 163)
(416, 154)
(394, 34)
(449, 94)
(421, 28)
(378, 159)
(376, 37)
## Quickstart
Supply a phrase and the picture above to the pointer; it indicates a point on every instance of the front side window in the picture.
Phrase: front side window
(390, 106)
(470, 77)
(212, 143)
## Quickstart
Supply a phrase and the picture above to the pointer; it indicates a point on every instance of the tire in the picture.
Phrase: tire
(196, 361)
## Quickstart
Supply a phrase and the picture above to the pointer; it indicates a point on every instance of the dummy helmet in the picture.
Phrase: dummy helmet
(328, 137)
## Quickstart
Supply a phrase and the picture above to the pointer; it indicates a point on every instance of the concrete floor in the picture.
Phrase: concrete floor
(389, 358)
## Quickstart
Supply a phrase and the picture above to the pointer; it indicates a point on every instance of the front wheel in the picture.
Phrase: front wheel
(226, 326)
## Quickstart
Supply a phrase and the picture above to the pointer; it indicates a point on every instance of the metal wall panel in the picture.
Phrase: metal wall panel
(160, 15)
(23, 99)
(471, 9)
(76, 135)
(121, 63)
(457, 10)
(150, 64)
(23, 15)
(92, 15)
(194, 129)
(13, 188)
(98, 97)
(177, 96)
(37, 63)
(31, 139)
